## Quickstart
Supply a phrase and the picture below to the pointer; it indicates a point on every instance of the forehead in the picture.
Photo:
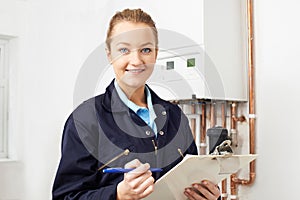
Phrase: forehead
(132, 33)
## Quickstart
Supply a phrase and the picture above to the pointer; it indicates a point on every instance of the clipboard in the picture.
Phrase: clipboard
(194, 169)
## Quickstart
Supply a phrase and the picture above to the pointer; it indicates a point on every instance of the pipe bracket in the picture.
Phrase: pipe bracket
(252, 116)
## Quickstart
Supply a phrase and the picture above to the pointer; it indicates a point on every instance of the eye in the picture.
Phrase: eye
(124, 51)
(146, 50)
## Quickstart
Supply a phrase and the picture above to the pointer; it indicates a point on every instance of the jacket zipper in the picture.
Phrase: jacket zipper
(155, 147)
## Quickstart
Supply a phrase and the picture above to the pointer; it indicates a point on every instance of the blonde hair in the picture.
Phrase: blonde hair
(130, 15)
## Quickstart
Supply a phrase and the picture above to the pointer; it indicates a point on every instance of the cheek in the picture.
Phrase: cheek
(151, 63)
(120, 64)
(150, 67)
(118, 70)
(151, 60)
(116, 57)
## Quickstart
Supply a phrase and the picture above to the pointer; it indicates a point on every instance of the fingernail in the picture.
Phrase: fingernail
(204, 182)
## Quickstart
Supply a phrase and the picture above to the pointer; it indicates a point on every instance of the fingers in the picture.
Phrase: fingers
(139, 174)
(212, 188)
(133, 164)
(136, 179)
(142, 168)
(204, 190)
(145, 188)
(137, 183)
(193, 195)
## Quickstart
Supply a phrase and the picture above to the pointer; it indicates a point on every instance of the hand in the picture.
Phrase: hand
(205, 190)
(137, 184)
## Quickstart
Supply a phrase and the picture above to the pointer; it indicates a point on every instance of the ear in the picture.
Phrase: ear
(108, 54)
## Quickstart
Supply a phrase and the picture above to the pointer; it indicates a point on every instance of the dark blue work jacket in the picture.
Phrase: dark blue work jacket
(100, 129)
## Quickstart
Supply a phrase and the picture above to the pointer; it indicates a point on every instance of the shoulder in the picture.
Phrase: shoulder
(85, 114)
(85, 108)
(173, 109)
(157, 100)
(91, 106)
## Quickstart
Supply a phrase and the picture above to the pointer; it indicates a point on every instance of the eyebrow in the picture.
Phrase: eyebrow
(148, 43)
(128, 44)
(123, 43)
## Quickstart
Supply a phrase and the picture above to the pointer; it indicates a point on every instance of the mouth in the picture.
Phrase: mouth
(136, 71)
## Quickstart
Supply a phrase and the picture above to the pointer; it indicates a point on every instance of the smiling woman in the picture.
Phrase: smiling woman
(132, 52)
(129, 125)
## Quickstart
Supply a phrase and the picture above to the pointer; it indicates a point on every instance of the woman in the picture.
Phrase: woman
(128, 117)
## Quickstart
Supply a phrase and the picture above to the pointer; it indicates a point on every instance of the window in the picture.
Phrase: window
(3, 98)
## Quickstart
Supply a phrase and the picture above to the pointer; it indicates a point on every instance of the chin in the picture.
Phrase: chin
(134, 82)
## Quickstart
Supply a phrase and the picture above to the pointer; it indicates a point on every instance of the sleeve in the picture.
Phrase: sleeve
(77, 176)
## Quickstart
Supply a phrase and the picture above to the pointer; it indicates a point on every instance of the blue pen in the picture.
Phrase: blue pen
(122, 170)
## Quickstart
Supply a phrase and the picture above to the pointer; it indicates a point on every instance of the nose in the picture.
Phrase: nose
(135, 58)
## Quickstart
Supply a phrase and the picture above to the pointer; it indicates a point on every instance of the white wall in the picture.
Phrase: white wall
(54, 39)
(12, 182)
(278, 96)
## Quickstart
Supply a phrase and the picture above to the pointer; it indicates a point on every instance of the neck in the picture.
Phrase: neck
(136, 95)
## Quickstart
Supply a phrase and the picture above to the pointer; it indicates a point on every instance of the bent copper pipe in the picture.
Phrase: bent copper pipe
(224, 182)
(233, 184)
(252, 174)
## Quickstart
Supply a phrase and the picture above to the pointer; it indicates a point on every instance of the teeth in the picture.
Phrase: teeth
(134, 70)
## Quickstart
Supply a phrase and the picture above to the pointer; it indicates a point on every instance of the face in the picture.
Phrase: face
(132, 53)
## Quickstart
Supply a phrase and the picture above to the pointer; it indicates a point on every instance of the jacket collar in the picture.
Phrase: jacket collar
(112, 102)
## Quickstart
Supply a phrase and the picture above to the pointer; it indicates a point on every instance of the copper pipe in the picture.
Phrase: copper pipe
(233, 185)
(223, 111)
(233, 111)
(224, 182)
(193, 121)
(241, 118)
(233, 122)
(252, 174)
(203, 130)
(212, 115)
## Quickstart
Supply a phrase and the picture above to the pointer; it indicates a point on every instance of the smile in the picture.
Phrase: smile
(135, 70)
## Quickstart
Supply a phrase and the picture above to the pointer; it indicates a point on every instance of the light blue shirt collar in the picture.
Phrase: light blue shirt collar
(135, 107)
